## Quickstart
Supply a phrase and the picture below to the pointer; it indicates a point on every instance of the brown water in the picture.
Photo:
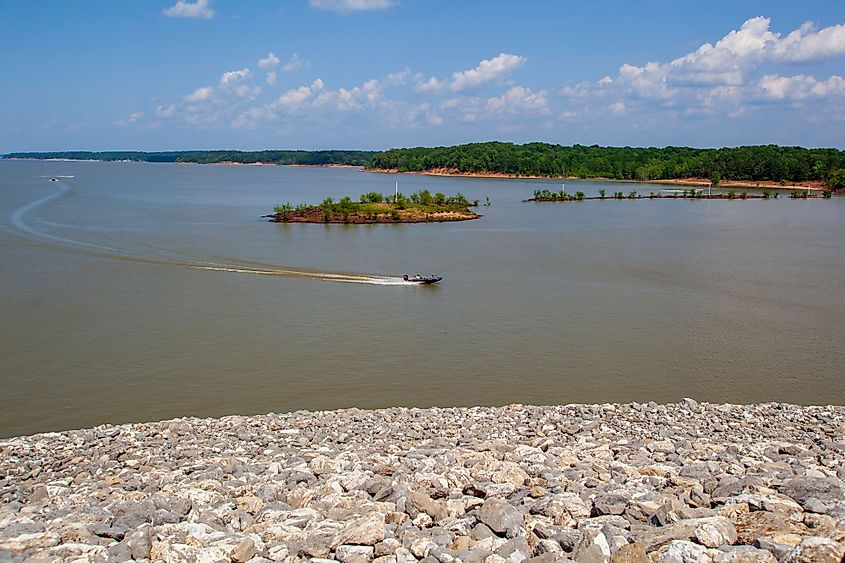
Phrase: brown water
(116, 307)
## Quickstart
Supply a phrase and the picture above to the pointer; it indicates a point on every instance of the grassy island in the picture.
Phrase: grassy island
(375, 207)
(545, 195)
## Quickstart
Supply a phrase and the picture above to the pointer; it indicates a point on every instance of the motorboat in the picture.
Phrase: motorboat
(422, 279)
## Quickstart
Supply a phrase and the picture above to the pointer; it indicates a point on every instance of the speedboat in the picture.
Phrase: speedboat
(422, 279)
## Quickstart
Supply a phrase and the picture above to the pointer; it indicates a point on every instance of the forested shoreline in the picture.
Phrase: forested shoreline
(751, 163)
(762, 163)
(305, 158)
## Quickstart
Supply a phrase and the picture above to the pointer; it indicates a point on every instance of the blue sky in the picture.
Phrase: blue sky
(374, 74)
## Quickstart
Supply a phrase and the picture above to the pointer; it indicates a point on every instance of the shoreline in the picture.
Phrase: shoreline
(627, 482)
(816, 185)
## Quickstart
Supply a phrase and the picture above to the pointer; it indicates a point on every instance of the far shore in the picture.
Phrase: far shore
(232, 163)
(812, 185)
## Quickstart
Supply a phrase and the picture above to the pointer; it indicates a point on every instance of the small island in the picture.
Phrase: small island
(545, 195)
(375, 207)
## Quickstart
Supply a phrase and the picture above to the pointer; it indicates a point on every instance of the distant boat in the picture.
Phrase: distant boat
(54, 179)
(422, 279)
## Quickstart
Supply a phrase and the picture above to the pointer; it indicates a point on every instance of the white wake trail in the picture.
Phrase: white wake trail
(19, 221)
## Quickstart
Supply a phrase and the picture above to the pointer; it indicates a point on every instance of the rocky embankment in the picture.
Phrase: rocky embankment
(636, 482)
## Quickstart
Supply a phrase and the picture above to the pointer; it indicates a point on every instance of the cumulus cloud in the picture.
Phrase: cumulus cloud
(131, 119)
(724, 76)
(809, 44)
(199, 95)
(346, 6)
(486, 71)
(166, 111)
(800, 87)
(295, 63)
(294, 98)
(518, 100)
(271, 77)
(185, 9)
(268, 62)
(231, 77)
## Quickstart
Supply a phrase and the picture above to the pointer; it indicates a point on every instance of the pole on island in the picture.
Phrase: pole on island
(396, 196)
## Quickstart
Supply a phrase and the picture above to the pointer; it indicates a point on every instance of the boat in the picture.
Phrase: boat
(422, 279)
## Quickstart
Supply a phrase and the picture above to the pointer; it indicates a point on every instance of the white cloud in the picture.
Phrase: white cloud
(800, 87)
(271, 77)
(185, 9)
(231, 77)
(519, 100)
(346, 6)
(268, 62)
(131, 119)
(486, 71)
(295, 63)
(398, 78)
(169, 111)
(355, 98)
(720, 78)
(199, 95)
(294, 98)
(433, 118)
(807, 44)
(253, 118)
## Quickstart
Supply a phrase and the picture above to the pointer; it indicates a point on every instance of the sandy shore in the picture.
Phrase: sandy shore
(814, 185)
(596, 483)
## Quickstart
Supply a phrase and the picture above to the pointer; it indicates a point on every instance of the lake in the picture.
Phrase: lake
(139, 291)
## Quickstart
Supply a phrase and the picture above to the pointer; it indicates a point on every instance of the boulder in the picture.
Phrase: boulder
(501, 517)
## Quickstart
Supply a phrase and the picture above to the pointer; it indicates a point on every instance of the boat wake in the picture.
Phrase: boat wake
(104, 251)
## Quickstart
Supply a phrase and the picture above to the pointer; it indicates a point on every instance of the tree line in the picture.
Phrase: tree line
(315, 158)
(751, 163)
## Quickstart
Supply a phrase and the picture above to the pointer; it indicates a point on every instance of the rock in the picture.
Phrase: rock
(245, 550)
(807, 489)
(816, 550)
(366, 530)
(423, 503)
(593, 548)
(26, 541)
(680, 551)
(500, 517)
(770, 503)
(609, 504)
(354, 553)
(515, 550)
(618, 483)
(742, 554)
(510, 473)
(630, 553)
(715, 531)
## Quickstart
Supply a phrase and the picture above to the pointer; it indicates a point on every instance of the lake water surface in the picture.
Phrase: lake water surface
(137, 291)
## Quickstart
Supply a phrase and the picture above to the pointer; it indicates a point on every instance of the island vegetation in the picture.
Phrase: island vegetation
(769, 163)
(375, 207)
(289, 157)
(546, 195)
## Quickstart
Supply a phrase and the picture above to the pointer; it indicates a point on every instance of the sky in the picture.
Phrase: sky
(376, 74)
